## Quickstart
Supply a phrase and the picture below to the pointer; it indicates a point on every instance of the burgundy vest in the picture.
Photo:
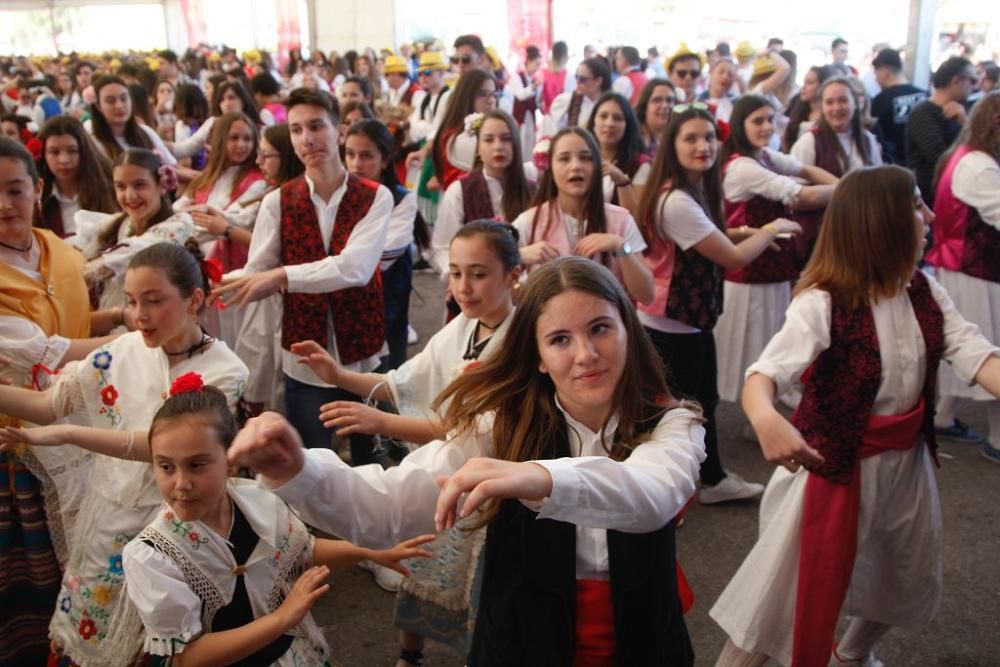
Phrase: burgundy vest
(573, 112)
(773, 266)
(962, 241)
(841, 385)
(826, 153)
(638, 80)
(51, 218)
(521, 107)
(407, 97)
(476, 197)
(695, 296)
(826, 158)
(358, 312)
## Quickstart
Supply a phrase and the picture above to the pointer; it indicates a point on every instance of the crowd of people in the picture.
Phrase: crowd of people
(206, 268)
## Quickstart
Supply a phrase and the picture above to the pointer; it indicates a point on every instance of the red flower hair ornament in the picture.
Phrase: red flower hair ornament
(722, 130)
(185, 383)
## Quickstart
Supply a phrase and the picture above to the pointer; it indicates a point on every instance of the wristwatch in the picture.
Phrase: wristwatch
(626, 250)
(228, 231)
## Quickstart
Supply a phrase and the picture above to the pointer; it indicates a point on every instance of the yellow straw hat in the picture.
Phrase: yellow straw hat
(432, 60)
(396, 65)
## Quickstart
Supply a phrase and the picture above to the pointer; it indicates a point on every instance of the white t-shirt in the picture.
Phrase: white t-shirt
(804, 150)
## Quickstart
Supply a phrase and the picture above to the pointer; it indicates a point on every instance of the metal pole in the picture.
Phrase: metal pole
(920, 41)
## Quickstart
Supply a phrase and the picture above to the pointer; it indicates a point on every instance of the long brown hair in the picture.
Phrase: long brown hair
(516, 195)
(548, 192)
(857, 125)
(523, 399)
(134, 135)
(461, 102)
(868, 244)
(93, 176)
(980, 133)
(218, 160)
(798, 110)
(667, 174)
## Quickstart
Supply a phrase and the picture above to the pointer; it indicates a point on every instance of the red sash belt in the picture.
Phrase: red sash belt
(595, 624)
(830, 539)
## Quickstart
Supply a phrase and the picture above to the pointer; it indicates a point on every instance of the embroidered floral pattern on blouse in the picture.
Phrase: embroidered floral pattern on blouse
(87, 628)
(109, 394)
(283, 545)
(179, 527)
(115, 564)
(89, 607)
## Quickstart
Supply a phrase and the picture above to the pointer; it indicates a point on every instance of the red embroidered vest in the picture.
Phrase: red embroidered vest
(773, 266)
(826, 158)
(841, 385)
(695, 296)
(573, 112)
(962, 241)
(638, 80)
(358, 312)
(476, 197)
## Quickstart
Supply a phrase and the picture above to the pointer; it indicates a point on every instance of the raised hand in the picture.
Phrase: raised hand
(483, 479)
(313, 355)
(349, 417)
(268, 444)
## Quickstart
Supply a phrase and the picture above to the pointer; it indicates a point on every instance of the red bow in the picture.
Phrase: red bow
(212, 268)
(185, 383)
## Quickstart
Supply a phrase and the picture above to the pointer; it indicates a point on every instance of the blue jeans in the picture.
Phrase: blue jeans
(302, 406)
(396, 284)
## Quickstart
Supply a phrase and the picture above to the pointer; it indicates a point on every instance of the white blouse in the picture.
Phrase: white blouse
(158, 146)
(451, 217)
(640, 178)
(220, 198)
(369, 505)
(804, 149)
(976, 182)
(746, 178)
(806, 334)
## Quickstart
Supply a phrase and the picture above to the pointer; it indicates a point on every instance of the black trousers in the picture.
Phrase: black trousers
(692, 372)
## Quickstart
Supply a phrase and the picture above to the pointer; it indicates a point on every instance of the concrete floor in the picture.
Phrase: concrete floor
(357, 615)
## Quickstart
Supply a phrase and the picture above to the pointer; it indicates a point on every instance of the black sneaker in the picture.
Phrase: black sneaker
(959, 432)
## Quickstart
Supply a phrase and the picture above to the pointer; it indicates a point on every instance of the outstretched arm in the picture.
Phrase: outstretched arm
(128, 445)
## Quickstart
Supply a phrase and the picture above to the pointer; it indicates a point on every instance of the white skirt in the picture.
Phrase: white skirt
(259, 346)
(751, 315)
(897, 573)
(979, 302)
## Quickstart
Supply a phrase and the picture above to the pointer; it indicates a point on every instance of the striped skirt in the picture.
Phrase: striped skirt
(29, 571)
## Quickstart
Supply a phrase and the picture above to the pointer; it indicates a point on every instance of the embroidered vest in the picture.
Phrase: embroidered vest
(476, 200)
(522, 107)
(407, 98)
(573, 112)
(358, 312)
(826, 153)
(638, 80)
(962, 241)
(528, 605)
(773, 266)
(826, 158)
(841, 385)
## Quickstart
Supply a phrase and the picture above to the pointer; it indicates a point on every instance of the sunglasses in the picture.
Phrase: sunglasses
(681, 108)
(465, 59)
(685, 73)
(425, 72)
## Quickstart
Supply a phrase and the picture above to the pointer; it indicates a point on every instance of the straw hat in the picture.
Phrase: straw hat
(683, 51)
(396, 65)
(432, 60)
(763, 66)
(744, 50)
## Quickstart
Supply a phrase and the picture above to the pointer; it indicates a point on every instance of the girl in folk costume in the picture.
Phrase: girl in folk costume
(453, 151)
(259, 340)
(76, 176)
(227, 97)
(115, 127)
(966, 252)
(267, 95)
(141, 185)
(485, 265)
(838, 144)
(569, 216)
(496, 189)
(368, 153)
(526, 88)
(224, 573)
(804, 109)
(851, 522)
(115, 390)
(192, 110)
(226, 195)
(689, 251)
(44, 323)
(759, 186)
(565, 536)
(653, 112)
(624, 163)
(593, 78)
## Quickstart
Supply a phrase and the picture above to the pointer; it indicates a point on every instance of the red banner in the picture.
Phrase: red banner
(530, 23)
(289, 32)
(194, 22)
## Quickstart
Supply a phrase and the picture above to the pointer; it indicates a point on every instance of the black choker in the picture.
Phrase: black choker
(31, 244)
(205, 340)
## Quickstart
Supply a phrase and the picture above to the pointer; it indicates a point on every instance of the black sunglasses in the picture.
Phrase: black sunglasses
(465, 59)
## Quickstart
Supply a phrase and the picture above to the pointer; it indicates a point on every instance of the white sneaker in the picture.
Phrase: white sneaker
(386, 578)
(868, 661)
(732, 487)
(411, 335)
